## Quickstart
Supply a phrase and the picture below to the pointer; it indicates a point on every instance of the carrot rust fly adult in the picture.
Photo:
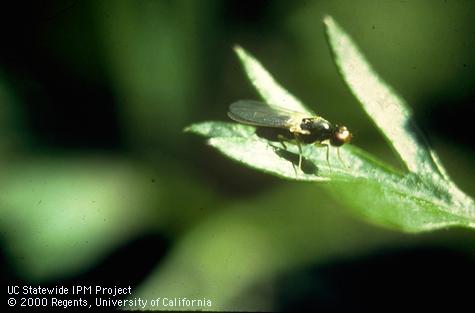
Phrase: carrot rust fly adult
(302, 127)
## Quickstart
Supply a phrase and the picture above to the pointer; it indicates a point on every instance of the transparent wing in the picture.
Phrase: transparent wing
(260, 114)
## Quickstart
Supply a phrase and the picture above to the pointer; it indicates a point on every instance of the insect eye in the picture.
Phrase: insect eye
(344, 134)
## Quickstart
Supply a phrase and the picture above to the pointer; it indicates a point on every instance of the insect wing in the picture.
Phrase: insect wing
(260, 114)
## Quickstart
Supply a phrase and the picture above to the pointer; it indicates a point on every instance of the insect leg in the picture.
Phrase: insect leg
(300, 155)
(320, 144)
(328, 156)
(297, 140)
(281, 140)
(339, 157)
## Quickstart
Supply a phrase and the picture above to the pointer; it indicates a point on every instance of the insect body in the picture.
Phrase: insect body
(302, 126)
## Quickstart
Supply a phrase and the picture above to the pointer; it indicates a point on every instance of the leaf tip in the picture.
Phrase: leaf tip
(241, 53)
(188, 129)
(328, 21)
(237, 48)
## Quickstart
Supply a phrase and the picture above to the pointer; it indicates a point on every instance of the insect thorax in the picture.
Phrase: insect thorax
(319, 130)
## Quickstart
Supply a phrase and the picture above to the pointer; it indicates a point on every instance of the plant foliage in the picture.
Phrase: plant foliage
(423, 198)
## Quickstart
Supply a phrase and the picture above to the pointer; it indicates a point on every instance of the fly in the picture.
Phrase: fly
(304, 128)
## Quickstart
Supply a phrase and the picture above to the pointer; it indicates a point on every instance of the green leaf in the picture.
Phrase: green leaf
(240, 143)
(266, 85)
(387, 110)
(394, 119)
(423, 199)
(61, 215)
(376, 191)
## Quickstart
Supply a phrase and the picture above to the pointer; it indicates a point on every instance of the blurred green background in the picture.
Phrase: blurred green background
(99, 184)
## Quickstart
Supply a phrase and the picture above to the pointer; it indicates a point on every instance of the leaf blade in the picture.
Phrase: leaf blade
(387, 110)
(423, 199)
(269, 89)
(375, 191)
(239, 142)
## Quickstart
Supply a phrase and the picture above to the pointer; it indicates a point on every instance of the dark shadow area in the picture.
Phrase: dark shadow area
(450, 119)
(66, 105)
(307, 166)
(428, 277)
(412, 127)
(128, 265)
(280, 136)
